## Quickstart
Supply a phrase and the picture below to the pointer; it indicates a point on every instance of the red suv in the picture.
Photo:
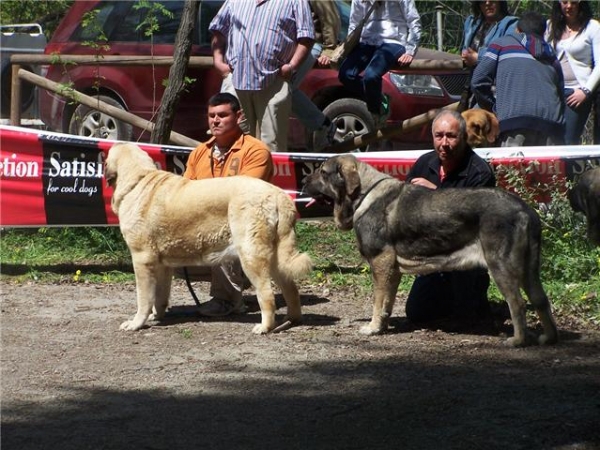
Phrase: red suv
(121, 28)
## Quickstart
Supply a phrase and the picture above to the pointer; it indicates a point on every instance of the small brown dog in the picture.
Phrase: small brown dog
(482, 127)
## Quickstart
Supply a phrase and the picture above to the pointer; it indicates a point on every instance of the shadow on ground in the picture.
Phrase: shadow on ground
(393, 403)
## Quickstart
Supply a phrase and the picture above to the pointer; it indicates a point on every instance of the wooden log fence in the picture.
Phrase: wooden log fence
(18, 74)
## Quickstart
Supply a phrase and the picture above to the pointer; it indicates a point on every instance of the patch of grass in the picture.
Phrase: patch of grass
(337, 262)
(570, 265)
(80, 255)
(51, 245)
(186, 333)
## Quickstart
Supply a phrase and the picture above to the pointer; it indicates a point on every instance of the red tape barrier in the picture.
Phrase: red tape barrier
(52, 179)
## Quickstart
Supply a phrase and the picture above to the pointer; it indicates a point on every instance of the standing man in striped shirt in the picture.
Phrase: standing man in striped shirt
(260, 44)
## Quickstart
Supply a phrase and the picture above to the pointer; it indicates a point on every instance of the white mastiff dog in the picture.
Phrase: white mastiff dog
(169, 221)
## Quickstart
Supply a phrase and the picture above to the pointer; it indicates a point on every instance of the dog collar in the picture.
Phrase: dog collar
(363, 196)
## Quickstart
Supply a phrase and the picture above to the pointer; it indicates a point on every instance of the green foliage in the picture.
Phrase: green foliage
(570, 264)
(96, 37)
(46, 13)
(150, 24)
(187, 82)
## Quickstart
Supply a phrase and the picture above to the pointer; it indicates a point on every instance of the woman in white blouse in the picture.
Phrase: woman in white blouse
(575, 37)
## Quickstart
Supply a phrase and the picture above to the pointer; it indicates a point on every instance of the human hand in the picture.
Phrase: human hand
(469, 57)
(286, 72)
(423, 182)
(324, 61)
(576, 98)
(405, 59)
(223, 68)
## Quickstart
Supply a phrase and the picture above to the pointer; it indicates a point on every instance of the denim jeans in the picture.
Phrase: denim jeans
(303, 108)
(575, 120)
(375, 61)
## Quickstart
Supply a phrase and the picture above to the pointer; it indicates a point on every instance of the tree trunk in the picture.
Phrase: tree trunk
(176, 85)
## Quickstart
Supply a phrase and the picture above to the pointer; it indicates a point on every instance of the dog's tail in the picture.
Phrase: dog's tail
(292, 263)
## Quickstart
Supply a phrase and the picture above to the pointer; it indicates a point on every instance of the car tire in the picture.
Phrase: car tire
(352, 119)
(90, 122)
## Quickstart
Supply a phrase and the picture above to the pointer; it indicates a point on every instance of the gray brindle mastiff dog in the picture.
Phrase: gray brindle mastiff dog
(585, 198)
(402, 228)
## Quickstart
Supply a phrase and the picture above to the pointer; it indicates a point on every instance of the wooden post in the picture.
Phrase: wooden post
(15, 97)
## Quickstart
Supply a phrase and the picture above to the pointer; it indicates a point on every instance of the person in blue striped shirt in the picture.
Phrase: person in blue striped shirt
(529, 83)
(260, 44)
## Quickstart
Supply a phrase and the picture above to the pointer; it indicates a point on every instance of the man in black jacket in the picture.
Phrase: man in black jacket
(453, 164)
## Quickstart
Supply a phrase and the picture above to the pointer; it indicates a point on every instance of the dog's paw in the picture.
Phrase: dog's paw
(260, 329)
(131, 325)
(528, 340)
(544, 339)
(368, 330)
(514, 342)
(155, 317)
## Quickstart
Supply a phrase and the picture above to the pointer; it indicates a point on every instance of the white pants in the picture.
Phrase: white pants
(267, 111)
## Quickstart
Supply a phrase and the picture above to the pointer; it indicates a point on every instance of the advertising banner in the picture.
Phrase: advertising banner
(53, 179)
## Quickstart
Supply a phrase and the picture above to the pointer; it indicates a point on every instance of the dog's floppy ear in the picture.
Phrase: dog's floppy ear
(493, 127)
(348, 169)
(110, 166)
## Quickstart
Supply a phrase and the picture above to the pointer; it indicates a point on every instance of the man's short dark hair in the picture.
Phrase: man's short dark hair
(225, 98)
(533, 23)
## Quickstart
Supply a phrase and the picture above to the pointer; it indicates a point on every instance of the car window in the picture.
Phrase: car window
(125, 22)
(208, 10)
(100, 21)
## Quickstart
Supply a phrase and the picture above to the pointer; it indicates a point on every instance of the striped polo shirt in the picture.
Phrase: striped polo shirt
(261, 37)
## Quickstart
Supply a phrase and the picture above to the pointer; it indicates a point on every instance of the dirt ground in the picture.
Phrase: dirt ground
(72, 380)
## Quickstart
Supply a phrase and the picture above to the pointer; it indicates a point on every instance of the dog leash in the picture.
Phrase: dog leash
(190, 287)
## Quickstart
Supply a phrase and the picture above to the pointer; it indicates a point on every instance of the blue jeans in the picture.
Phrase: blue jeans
(375, 61)
(302, 107)
(575, 120)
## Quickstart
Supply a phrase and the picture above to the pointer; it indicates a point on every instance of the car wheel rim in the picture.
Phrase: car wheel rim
(348, 127)
(99, 125)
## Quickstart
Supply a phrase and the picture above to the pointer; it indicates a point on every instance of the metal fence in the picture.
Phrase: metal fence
(442, 29)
